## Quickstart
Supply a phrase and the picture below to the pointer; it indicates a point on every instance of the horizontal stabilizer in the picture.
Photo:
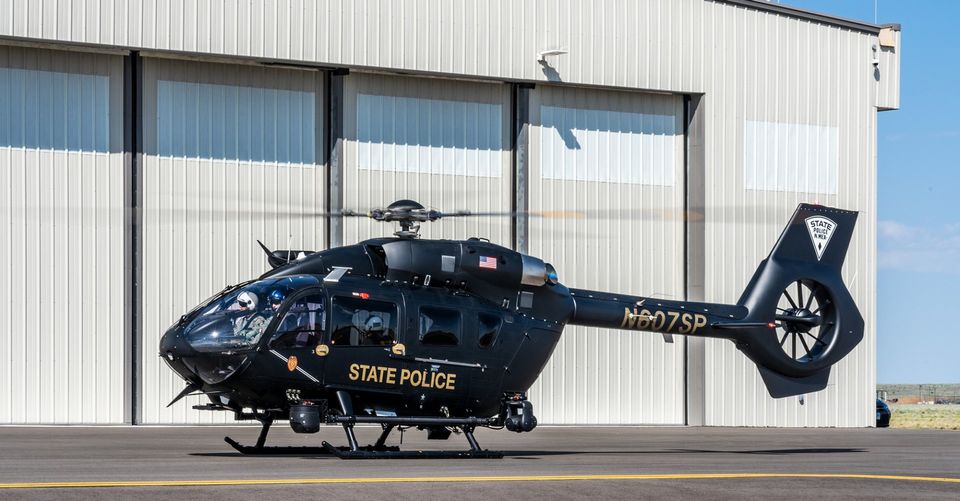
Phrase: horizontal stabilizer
(780, 386)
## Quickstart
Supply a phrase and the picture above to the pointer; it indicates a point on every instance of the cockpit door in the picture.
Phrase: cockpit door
(296, 336)
(361, 338)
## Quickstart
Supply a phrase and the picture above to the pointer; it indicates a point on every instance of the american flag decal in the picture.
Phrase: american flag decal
(488, 262)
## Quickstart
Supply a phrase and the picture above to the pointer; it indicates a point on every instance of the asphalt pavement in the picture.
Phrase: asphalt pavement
(558, 462)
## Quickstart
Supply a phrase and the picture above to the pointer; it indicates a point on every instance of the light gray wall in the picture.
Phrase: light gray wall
(804, 78)
(888, 70)
(62, 278)
(606, 190)
(232, 154)
(752, 63)
(443, 143)
(650, 44)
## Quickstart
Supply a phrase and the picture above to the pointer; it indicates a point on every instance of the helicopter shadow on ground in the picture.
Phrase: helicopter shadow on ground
(532, 454)
(227, 454)
(770, 452)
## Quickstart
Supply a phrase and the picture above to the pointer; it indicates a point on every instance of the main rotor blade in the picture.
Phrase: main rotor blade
(186, 206)
(630, 214)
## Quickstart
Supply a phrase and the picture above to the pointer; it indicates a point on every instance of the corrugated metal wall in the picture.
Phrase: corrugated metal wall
(443, 143)
(647, 44)
(750, 64)
(597, 161)
(232, 154)
(887, 73)
(798, 75)
(62, 279)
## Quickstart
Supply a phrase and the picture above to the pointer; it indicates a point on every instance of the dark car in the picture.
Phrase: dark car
(883, 414)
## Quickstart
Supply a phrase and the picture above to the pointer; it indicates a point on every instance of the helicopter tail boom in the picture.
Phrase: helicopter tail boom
(795, 319)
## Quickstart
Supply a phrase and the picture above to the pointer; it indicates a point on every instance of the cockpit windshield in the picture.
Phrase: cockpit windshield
(237, 319)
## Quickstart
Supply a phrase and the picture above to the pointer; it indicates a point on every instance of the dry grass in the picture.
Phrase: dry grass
(929, 417)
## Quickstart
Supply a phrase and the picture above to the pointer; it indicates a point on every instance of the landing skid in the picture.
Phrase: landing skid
(253, 450)
(379, 450)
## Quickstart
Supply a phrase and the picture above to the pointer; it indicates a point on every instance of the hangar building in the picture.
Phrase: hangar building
(146, 144)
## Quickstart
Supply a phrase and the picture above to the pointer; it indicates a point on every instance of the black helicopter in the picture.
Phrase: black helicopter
(448, 335)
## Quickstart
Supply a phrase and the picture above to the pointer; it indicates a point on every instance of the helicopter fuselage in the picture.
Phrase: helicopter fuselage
(449, 333)
(461, 326)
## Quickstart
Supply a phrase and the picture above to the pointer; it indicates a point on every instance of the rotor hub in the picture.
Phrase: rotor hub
(805, 321)
(408, 214)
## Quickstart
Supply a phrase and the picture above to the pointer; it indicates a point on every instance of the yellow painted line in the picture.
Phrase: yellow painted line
(525, 478)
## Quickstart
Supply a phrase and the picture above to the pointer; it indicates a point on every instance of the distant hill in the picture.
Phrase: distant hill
(912, 393)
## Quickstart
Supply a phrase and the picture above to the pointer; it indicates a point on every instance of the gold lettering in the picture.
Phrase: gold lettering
(699, 321)
(416, 378)
(644, 321)
(422, 378)
(673, 319)
(686, 319)
(627, 319)
(660, 317)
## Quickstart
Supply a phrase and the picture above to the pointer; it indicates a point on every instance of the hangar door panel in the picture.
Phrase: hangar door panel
(606, 169)
(62, 336)
(232, 154)
(443, 143)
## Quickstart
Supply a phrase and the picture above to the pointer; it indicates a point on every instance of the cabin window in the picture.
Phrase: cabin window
(301, 324)
(363, 322)
(489, 327)
(439, 326)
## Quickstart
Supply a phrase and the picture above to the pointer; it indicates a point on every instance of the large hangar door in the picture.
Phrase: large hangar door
(444, 143)
(607, 170)
(62, 337)
(232, 154)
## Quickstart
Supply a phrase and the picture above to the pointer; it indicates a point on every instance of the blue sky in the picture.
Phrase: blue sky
(918, 318)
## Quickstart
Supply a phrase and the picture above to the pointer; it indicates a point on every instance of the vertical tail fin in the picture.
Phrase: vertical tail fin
(799, 290)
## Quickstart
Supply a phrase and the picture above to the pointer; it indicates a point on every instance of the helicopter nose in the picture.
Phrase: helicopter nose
(173, 350)
(211, 367)
(170, 344)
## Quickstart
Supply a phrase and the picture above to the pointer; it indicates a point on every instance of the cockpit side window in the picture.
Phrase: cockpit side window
(237, 319)
(362, 322)
(301, 324)
(489, 327)
(439, 326)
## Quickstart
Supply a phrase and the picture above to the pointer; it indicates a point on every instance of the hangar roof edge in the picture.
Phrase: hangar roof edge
(813, 16)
